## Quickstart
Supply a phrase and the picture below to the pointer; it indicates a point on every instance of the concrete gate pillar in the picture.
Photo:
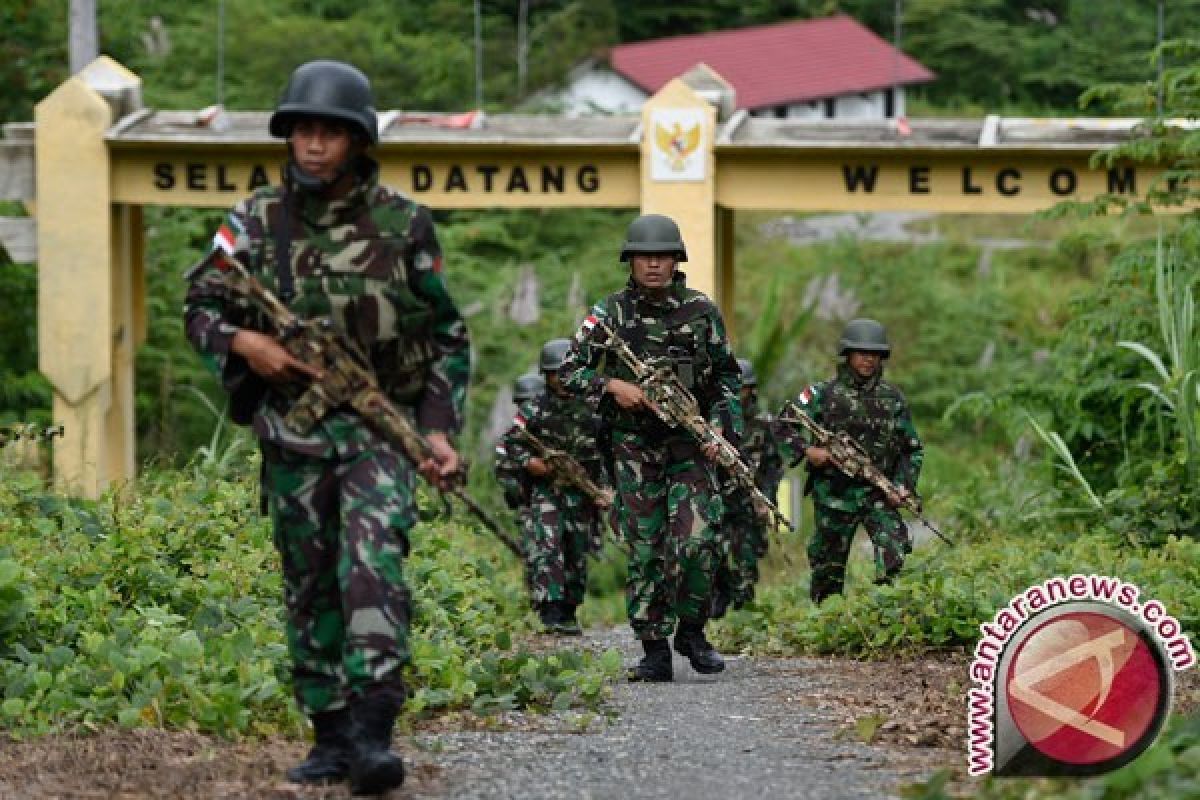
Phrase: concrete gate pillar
(90, 310)
(678, 174)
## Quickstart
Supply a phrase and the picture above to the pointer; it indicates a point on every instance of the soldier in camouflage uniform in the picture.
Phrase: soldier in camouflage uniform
(859, 402)
(563, 520)
(745, 531)
(667, 507)
(332, 242)
(513, 479)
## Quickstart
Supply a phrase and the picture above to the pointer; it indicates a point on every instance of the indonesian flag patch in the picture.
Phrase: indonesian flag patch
(224, 240)
(589, 322)
(519, 420)
(806, 396)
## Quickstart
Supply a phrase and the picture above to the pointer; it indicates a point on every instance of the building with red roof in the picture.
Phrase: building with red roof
(816, 68)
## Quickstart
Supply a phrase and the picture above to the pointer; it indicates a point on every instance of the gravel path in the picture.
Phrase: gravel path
(745, 733)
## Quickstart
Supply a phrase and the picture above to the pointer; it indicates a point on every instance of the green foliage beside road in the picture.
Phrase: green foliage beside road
(161, 605)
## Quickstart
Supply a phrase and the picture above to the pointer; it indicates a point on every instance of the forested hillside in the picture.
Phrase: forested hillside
(1005, 56)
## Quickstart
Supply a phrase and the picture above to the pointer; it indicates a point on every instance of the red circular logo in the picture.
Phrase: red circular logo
(1084, 688)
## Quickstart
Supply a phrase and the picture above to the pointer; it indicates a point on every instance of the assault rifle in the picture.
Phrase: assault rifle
(564, 470)
(346, 379)
(14, 433)
(849, 457)
(674, 404)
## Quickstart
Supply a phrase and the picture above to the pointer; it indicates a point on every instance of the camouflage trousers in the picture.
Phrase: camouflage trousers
(829, 548)
(341, 526)
(559, 533)
(668, 512)
(744, 541)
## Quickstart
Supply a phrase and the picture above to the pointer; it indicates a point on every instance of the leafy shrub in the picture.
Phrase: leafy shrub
(162, 607)
(943, 594)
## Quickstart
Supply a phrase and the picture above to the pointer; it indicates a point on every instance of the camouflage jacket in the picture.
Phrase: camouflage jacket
(760, 451)
(561, 422)
(683, 329)
(370, 261)
(512, 477)
(876, 414)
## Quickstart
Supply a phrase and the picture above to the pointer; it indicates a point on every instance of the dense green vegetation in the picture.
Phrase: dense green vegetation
(990, 55)
(161, 605)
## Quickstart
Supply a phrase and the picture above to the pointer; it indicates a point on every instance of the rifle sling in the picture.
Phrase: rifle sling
(283, 246)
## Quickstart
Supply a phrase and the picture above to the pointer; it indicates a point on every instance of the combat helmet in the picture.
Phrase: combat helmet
(653, 233)
(528, 386)
(749, 378)
(327, 89)
(554, 353)
(864, 335)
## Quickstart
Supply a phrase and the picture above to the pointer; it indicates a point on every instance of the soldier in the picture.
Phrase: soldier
(513, 480)
(745, 530)
(667, 507)
(874, 412)
(563, 520)
(332, 242)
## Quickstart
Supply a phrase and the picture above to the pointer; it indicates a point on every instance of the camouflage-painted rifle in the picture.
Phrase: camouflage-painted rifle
(675, 405)
(849, 457)
(564, 470)
(13, 433)
(346, 379)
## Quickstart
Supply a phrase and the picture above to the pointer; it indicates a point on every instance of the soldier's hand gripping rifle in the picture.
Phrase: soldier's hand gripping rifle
(849, 457)
(346, 379)
(675, 405)
(564, 470)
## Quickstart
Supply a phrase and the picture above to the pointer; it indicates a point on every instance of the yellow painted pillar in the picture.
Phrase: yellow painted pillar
(119, 430)
(678, 132)
(79, 297)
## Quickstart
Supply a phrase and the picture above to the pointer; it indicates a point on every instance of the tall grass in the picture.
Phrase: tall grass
(1177, 367)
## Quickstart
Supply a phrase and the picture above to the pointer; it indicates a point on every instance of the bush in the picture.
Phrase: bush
(944, 594)
(161, 605)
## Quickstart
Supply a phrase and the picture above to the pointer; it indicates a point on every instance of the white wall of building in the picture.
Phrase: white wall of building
(866, 105)
(594, 91)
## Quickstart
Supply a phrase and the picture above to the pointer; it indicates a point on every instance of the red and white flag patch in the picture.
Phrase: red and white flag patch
(589, 322)
(519, 420)
(806, 396)
(224, 240)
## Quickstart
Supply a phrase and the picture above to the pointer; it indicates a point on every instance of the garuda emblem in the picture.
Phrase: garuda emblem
(677, 144)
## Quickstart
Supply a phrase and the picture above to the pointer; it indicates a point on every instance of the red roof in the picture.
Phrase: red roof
(775, 64)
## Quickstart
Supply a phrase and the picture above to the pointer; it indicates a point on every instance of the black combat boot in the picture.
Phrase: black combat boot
(567, 624)
(374, 768)
(550, 615)
(690, 643)
(721, 595)
(655, 666)
(329, 759)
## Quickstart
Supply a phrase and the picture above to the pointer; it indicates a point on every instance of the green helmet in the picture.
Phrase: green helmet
(749, 379)
(653, 233)
(554, 353)
(327, 89)
(864, 335)
(528, 386)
